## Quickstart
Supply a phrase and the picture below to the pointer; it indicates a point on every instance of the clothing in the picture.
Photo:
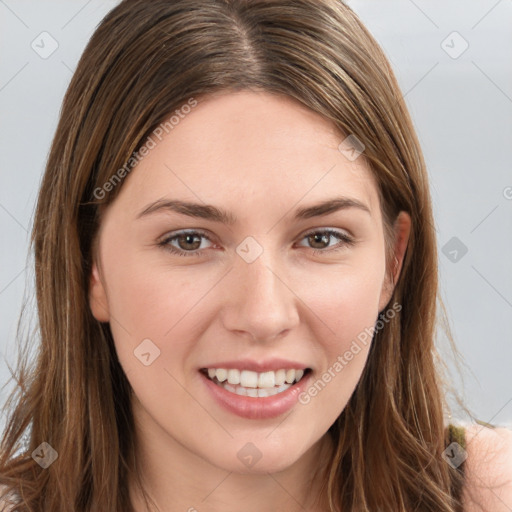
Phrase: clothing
(456, 434)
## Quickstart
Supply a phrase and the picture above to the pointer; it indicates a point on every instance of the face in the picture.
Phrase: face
(271, 285)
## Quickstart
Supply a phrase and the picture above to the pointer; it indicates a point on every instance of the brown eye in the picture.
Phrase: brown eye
(319, 240)
(188, 243)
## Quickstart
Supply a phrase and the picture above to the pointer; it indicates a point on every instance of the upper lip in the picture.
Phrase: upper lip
(259, 366)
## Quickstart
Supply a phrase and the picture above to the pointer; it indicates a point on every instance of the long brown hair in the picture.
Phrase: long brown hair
(145, 61)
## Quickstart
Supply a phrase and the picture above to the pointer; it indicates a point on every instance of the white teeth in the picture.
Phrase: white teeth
(263, 393)
(248, 379)
(267, 380)
(280, 377)
(221, 374)
(254, 392)
(234, 376)
(230, 388)
(254, 380)
(290, 376)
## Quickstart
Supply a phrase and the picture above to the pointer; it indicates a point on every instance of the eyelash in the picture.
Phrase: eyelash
(346, 239)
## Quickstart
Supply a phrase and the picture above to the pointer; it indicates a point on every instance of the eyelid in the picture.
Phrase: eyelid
(330, 230)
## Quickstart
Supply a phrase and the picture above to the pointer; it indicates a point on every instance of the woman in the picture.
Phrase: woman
(236, 279)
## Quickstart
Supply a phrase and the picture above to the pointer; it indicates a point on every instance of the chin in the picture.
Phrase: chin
(257, 458)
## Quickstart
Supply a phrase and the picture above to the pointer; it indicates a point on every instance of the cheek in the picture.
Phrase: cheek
(162, 304)
(347, 308)
(156, 301)
(346, 300)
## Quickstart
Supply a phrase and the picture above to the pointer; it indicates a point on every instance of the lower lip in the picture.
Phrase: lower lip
(257, 408)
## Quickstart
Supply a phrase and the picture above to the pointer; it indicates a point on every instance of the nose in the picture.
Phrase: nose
(259, 302)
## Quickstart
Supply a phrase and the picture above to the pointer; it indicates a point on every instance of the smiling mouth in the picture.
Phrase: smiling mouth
(254, 384)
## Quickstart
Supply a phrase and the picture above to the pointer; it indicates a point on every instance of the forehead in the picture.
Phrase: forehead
(251, 147)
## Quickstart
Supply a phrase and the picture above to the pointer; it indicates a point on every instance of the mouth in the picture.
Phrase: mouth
(255, 384)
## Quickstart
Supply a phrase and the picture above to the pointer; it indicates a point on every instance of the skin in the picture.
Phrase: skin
(488, 469)
(260, 157)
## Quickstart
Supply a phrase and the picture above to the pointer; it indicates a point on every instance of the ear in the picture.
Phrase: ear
(402, 229)
(97, 296)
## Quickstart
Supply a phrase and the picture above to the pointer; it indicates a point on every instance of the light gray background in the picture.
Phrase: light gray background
(462, 110)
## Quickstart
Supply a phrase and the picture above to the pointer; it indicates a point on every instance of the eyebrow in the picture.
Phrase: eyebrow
(215, 214)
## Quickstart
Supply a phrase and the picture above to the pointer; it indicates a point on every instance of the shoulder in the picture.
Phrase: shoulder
(488, 469)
